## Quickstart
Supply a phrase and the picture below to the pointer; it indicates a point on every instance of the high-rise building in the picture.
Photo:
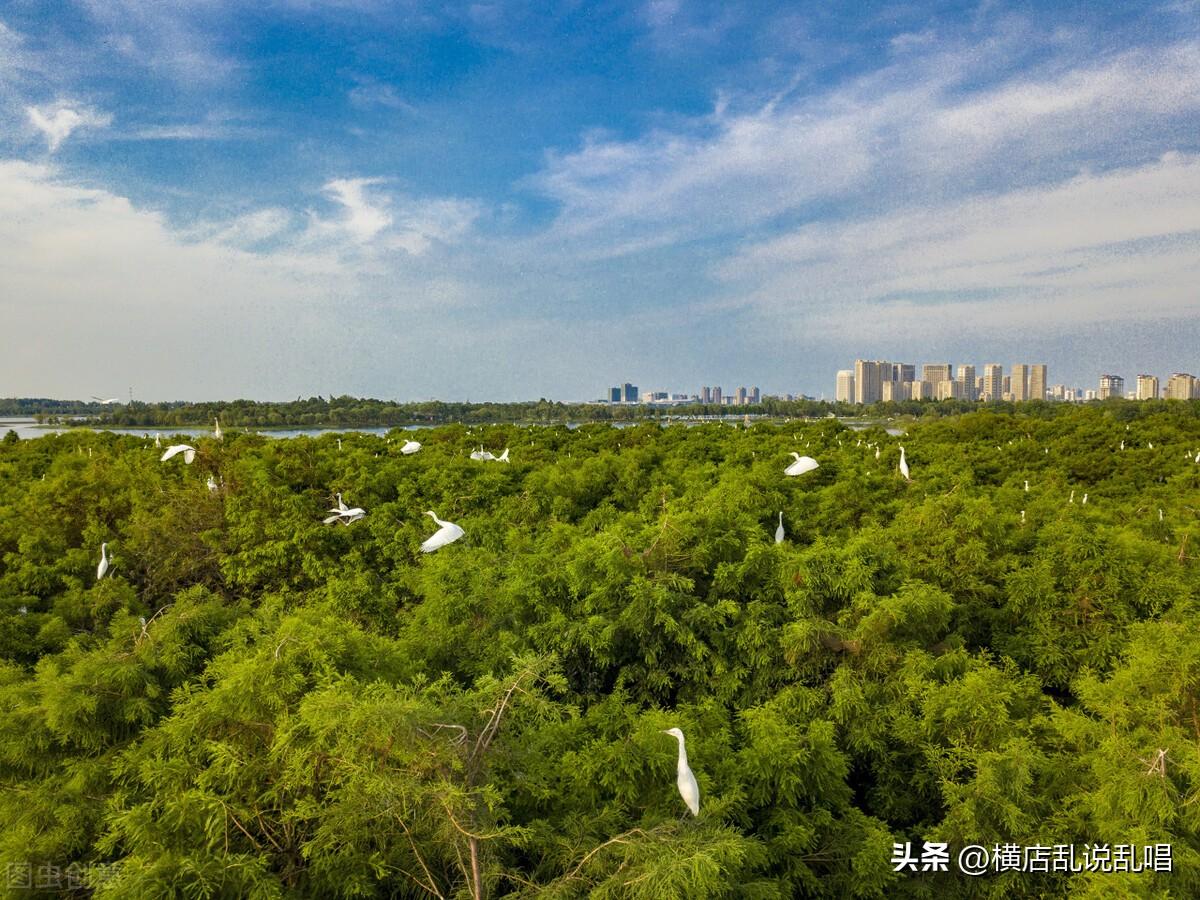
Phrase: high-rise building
(904, 372)
(993, 382)
(936, 373)
(706, 394)
(614, 395)
(1111, 386)
(1090, 395)
(1182, 386)
(966, 382)
(716, 395)
(755, 395)
(949, 390)
(1006, 387)
(922, 390)
(630, 393)
(1147, 387)
(866, 381)
(845, 386)
(741, 396)
(1018, 384)
(1037, 381)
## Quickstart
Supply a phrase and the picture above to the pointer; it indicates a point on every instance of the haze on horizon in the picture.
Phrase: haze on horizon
(514, 200)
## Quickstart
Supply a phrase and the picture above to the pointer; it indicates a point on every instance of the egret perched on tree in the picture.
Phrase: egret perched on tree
(904, 465)
(1027, 485)
(1022, 517)
(801, 465)
(1071, 499)
(157, 439)
(217, 433)
(1085, 499)
(103, 567)
(212, 484)
(410, 447)
(877, 453)
(779, 530)
(689, 790)
(189, 453)
(447, 534)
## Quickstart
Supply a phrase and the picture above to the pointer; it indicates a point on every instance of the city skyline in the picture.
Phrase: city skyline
(502, 199)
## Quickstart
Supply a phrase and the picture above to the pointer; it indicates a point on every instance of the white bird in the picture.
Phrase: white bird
(212, 484)
(339, 440)
(109, 402)
(217, 430)
(103, 567)
(1071, 499)
(447, 534)
(410, 447)
(1022, 517)
(1027, 485)
(877, 453)
(801, 465)
(503, 457)
(1085, 499)
(157, 439)
(1160, 514)
(477, 454)
(1197, 456)
(346, 514)
(685, 780)
(779, 530)
(1122, 445)
(904, 465)
(189, 453)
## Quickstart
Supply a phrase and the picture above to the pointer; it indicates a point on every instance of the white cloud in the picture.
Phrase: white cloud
(59, 120)
(361, 218)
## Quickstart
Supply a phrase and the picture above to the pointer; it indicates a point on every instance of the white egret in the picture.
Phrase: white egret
(1022, 517)
(1160, 514)
(346, 514)
(189, 453)
(1150, 444)
(801, 465)
(904, 465)
(503, 457)
(448, 533)
(477, 454)
(103, 567)
(109, 402)
(212, 484)
(217, 433)
(779, 530)
(685, 780)
(877, 453)
(1027, 485)
(1122, 445)
(1071, 499)
(410, 447)
(1085, 499)
(157, 439)
(339, 440)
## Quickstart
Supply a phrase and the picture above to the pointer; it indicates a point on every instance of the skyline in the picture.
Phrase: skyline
(501, 202)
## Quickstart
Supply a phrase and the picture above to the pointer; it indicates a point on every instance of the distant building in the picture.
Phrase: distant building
(716, 395)
(1037, 381)
(845, 386)
(1018, 383)
(706, 394)
(993, 382)
(936, 373)
(1089, 395)
(966, 383)
(741, 396)
(904, 372)
(1006, 387)
(1182, 386)
(1147, 387)
(867, 381)
(948, 389)
(614, 394)
(755, 395)
(922, 390)
(630, 393)
(1111, 386)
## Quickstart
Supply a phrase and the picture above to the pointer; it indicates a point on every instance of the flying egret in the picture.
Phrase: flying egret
(503, 457)
(779, 530)
(109, 402)
(103, 567)
(345, 513)
(217, 430)
(689, 790)
(189, 453)
(477, 454)
(410, 447)
(904, 465)
(801, 465)
(448, 533)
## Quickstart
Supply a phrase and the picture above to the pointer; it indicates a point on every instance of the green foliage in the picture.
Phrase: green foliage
(255, 704)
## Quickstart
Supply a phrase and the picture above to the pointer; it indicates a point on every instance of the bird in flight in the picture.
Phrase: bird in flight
(188, 451)
(448, 533)
(801, 465)
(109, 402)
(346, 514)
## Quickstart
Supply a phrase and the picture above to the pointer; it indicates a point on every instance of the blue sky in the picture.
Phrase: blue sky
(511, 200)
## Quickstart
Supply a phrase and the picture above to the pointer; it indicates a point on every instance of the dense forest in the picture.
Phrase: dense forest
(267, 694)
(361, 412)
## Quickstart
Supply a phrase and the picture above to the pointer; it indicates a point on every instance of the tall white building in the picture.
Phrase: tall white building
(1147, 387)
(1111, 386)
(966, 381)
(845, 386)
(993, 382)
(1018, 384)
(1037, 382)
(1182, 386)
